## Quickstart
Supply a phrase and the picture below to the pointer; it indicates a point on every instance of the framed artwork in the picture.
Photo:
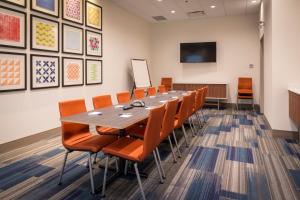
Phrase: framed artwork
(44, 71)
(12, 72)
(93, 72)
(48, 7)
(72, 39)
(93, 15)
(73, 11)
(12, 28)
(44, 34)
(21, 3)
(93, 43)
(72, 72)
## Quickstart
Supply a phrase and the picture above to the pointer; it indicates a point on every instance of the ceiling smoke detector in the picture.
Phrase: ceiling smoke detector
(159, 18)
(195, 14)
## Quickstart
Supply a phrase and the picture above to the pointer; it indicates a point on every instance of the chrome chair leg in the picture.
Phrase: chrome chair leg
(104, 176)
(160, 165)
(126, 167)
(198, 119)
(176, 143)
(117, 165)
(63, 167)
(95, 158)
(158, 168)
(172, 149)
(195, 129)
(192, 128)
(202, 114)
(139, 180)
(185, 136)
(91, 173)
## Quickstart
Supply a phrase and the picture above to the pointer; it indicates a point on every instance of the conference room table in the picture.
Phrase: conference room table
(115, 117)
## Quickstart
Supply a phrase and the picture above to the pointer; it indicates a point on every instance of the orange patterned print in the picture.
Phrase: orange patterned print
(73, 71)
(9, 72)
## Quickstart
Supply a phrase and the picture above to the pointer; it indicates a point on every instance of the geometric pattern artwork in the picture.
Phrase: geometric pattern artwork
(73, 10)
(93, 15)
(93, 72)
(44, 34)
(46, 4)
(21, 3)
(45, 71)
(72, 39)
(12, 28)
(72, 71)
(12, 71)
(49, 7)
(93, 43)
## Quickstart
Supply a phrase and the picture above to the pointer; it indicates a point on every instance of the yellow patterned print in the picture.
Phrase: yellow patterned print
(45, 35)
(94, 16)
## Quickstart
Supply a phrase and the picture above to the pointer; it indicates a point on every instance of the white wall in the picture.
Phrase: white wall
(125, 36)
(237, 46)
(283, 65)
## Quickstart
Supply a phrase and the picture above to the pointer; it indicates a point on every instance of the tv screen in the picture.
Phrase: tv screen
(198, 52)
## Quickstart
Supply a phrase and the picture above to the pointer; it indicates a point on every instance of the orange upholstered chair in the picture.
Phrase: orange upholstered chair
(167, 82)
(102, 102)
(191, 111)
(162, 89)
(137, 150)
(139, 93)
(123, 97)
(76, 137)
(245, 90)
(151, 91)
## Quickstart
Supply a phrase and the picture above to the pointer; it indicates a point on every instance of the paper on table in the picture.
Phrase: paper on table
(165, 93)
(126, 115)
(149, 108)
(163, 101)
(152, 97)
(174, 97)
(119, 106)
(95, 113)
(173, 91)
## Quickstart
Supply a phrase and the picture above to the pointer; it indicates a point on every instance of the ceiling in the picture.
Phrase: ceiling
(149, 8)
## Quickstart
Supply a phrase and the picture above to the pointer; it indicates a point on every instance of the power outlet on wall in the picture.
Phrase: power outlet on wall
(251, 66)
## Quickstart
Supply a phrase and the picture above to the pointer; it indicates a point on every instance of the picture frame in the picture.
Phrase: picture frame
(20, 3)
(72, 72)
(93, 72)
(72, 39)
(93, 15)
(13, 24)
(44, 71)
(93, 43)
(44, 34)
(72, 10)
(47, 7)
(13, 72)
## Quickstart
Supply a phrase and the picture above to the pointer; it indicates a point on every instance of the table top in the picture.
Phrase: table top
(295, 90)
(116, 117)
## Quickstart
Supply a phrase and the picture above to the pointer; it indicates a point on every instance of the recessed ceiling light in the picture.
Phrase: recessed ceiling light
(173, 11)
(159, 0)
(253, 1)
(213, 6)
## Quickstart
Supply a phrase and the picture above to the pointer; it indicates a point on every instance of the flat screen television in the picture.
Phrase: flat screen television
(203, 52)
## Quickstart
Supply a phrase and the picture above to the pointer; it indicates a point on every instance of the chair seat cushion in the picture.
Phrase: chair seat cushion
(89, 142)
(127, 148)
(245, 92)
(107, 131)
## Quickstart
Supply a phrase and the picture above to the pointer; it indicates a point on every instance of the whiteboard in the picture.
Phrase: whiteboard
(140, 73)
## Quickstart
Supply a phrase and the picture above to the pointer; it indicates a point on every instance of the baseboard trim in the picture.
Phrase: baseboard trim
(285, 134)
(22, 142)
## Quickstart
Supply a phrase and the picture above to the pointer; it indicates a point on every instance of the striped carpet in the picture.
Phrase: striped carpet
(235, 157)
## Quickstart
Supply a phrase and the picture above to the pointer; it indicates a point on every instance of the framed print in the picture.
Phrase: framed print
(93, 43)
(93, 15)
(73, 11)
(44, 71)
(93, 72)
(72, 39)
(12, 28)
(21, 3)
(48, 7)
(44, 34)
(12, 72)
(72, 72)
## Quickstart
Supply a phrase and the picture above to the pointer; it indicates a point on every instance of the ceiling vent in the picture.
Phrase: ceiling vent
(159, 18)
(196, 14)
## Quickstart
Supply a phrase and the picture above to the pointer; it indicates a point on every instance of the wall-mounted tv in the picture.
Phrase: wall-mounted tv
(201, 52)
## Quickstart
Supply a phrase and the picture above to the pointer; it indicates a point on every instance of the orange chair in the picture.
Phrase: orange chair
(123, 97)
(205, 92)
(198, 103)
(167, 82)
(137, 150)
(162, 89)
(245, 90)
(151, 91)
(76, 137)
(102, 102)
(191, 111)
(139, 93)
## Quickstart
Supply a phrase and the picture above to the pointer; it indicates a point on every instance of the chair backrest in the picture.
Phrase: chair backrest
(72, 130)
(139, 93)
(123, 97)
(168, 120)
(199, 98)
(167, 82)
(102, 101)
(192, 103)
(151, 91)
(152, 132)
(205, 91)
(162, 89)
(245, 83)
(184, 108)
